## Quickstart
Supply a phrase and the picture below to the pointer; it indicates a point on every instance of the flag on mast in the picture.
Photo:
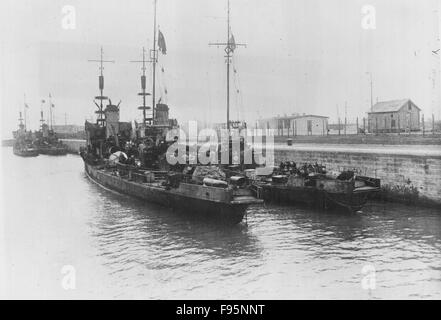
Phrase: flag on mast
(161, 43)
(232, 43)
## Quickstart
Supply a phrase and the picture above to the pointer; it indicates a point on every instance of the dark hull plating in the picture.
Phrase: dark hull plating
(226, 213)
(313, 197)
(53, 151)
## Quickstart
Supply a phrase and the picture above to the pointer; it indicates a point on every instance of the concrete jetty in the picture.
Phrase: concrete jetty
(408, 173)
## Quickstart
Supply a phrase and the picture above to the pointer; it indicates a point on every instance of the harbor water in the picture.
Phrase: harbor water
(62, 236)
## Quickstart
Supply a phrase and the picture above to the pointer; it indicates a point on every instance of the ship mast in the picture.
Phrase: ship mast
(154, 58)
(21, 121)
(229, 50)
(50, 111)
(101, 97)
(24, 111)
(144, 107)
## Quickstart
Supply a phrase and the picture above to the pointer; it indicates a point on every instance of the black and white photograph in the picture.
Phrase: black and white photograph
(220, 150)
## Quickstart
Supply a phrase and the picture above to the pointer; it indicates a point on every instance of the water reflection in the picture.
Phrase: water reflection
(126, 248)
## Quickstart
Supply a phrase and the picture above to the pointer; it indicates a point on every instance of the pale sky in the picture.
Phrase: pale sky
(305, 56)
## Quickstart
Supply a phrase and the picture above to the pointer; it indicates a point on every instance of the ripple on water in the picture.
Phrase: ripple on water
(125, 248)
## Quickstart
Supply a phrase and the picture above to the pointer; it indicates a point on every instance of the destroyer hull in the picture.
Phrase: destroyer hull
(184, 202)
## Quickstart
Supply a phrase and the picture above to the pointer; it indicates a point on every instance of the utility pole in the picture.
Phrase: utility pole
(65, 119)
(229, 50)
(372, 90)
(346, 115)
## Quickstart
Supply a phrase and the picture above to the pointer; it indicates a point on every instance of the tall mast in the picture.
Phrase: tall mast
(229, 50)
(41, 119)
(154, 60)
(50, 111)
(24, 111)
(144, 107)
(21, 121)
(101, 97)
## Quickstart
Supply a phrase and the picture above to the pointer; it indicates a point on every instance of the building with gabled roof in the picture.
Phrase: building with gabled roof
(394, 116)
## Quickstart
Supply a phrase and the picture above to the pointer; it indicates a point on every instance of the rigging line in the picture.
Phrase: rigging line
(207, 114)
(235, 87)
(241, 94)
(238, 89)
(161, 82)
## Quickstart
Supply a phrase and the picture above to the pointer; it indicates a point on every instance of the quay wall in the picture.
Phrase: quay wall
(74, 145)
(404, 178)
(413, 179)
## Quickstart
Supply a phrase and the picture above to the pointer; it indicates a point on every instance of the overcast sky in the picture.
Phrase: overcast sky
(305, 56)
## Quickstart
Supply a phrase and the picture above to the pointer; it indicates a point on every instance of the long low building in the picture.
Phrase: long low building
(295, 125)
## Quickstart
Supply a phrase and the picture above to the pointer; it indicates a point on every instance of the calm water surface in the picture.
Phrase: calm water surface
(119, 247)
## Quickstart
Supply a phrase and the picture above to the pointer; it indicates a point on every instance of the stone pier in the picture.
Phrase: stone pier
(409, 174)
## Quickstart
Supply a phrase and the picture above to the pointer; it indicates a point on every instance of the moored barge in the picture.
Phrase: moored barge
(317, 189)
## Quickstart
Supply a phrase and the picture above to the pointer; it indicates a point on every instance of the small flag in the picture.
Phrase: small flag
(43, 101)
(232, 43)
(26, 106)
(53, 106)
(161, 43)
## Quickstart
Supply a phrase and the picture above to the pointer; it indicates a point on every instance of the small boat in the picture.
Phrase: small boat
(25, 151)
(47, 141)
(316, 189)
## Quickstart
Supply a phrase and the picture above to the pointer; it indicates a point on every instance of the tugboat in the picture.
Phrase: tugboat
(312, 185)
(23, 141)
(131, 158)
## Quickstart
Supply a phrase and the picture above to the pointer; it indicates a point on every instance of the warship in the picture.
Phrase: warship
(46, 139)
(23, 141)
(130, 157)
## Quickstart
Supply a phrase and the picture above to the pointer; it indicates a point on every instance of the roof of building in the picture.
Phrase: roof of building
(390, 106)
